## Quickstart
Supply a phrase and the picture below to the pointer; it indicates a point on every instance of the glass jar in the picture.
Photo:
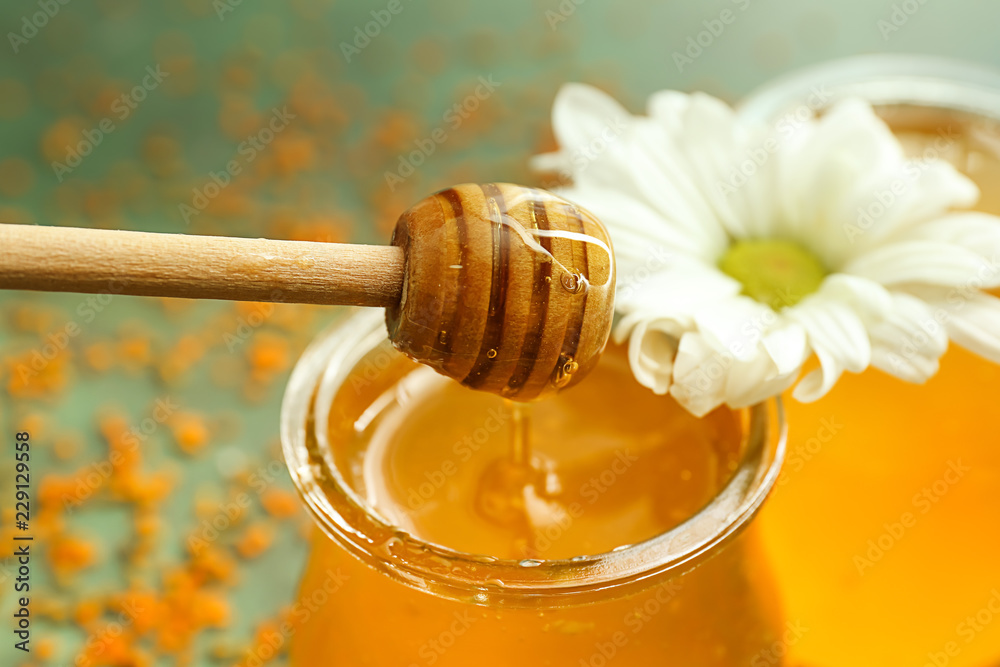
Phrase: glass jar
(375, 595)
(883, 525)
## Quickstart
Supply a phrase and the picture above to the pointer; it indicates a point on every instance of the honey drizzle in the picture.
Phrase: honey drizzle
(520, 433)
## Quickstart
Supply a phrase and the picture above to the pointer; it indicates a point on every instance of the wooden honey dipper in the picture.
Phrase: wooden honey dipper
(504, 288)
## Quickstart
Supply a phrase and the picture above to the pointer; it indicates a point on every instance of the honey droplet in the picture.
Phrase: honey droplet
(394, 546)
(574, 282)
(564, 371)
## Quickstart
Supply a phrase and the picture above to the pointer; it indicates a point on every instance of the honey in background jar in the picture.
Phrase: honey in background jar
(883, 528)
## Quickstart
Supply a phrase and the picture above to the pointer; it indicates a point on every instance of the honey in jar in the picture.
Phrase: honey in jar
(602, 524)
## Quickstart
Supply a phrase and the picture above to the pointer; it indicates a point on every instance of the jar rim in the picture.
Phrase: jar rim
(347, 518)
(881, 79)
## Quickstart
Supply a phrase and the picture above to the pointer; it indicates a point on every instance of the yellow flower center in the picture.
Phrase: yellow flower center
(775, 272)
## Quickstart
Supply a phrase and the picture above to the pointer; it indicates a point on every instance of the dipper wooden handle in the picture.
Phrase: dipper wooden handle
(66, 259)
(503, 288)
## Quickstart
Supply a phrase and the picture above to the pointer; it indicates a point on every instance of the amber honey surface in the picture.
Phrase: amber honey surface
(608, 464)
(605, 465)
(885, 529)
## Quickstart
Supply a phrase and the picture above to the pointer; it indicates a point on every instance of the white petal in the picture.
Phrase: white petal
(707, 375)
(750, 382)
(594, 134)
(747, 198)
(706, 148)
(816, 384)
(836, 327)
(913, 368)
(824, 164)
(974, 231)
(788, 347)
(976, 326)
(555, 161)
(916, 192)
(870, 300)
(635, 227)
(847, 185)
(922, 262)
(971, 317)
(680, 289)
(651, 349)
(681, 203)
(736, 324)
(909, 342)
(667, 108)
(837, 335)
(712, 143)
(699, 375)
(581, 113)
(602, 147)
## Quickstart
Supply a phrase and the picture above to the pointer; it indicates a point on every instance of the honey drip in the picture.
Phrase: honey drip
(516, 492)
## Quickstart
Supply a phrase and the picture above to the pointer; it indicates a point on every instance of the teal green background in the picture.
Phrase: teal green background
(357, 119)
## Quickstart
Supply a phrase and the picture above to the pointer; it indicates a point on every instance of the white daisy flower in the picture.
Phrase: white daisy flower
(744, 251)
